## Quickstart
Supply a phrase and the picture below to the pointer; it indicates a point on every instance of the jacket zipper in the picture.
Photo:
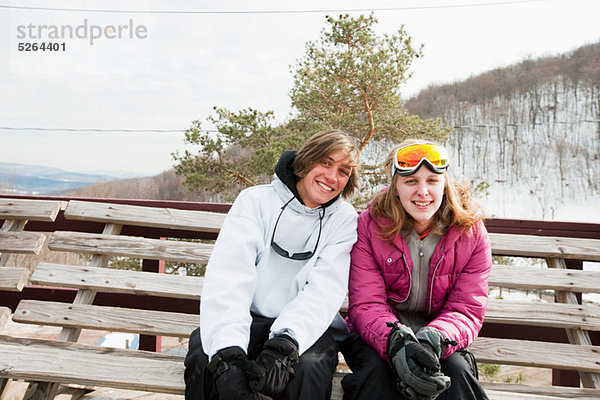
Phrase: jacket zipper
(432, 280)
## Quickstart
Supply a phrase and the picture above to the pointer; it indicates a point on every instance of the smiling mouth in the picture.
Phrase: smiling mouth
(422, 204)
(325, 187)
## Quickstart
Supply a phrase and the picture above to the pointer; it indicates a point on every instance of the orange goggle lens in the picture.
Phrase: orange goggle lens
(409, 158)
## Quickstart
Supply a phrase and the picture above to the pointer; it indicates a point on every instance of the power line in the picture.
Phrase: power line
(594, 121)
(465, 5)
(10, 128)
(38, 129)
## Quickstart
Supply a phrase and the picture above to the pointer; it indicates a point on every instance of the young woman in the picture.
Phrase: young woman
(418, 284)
(276, 279)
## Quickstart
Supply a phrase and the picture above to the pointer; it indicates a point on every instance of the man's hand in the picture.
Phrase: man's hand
(278, 358)
(229, 368)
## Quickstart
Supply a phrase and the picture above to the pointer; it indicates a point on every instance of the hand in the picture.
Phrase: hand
(434, 340)
(278, 358)
(417, 367)
(228, 368)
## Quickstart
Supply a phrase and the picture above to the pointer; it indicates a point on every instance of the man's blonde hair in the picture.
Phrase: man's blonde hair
(320, 146)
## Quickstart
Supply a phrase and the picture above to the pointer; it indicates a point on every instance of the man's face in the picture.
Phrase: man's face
(325, 180)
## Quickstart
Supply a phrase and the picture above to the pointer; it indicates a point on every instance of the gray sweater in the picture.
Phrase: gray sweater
(412, 312)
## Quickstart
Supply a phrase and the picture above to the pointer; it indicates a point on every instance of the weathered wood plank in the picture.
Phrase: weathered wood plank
(34, 210)
(84, 296)
(508, 395)
(48, 390)
(545, 278)
(545, 247)
(576, 335)
(130, 246)
(180, 325)
(510, 276)
(170, 218)
(21, 242)
(556, 315)
(537, 354)
(85, 316)
(507, 391)
(538, 314)
(65, 362)
(4, 317)
(10, 225)
(562, 391)
(13, 278)
(113, 280)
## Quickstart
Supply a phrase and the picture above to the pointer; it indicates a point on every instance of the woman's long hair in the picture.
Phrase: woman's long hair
(457, 208)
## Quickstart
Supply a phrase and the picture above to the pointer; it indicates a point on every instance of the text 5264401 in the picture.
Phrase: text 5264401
(44, 46)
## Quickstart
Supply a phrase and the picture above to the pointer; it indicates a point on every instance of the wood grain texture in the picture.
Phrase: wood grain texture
(556, 315)
(114, 280)
(545, 247)
(21, 242)
(545, 278)
(576, 335)
(65, 362)
(34, 210)
(4, 316)
(537, 354)
(180, 325)
(507, 391)
(13, 278)
(562, 391)
(84, 296)
(130, 246)
(170, 218)
(104, 318)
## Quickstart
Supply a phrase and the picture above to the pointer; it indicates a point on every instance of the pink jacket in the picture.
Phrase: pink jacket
(457, 290)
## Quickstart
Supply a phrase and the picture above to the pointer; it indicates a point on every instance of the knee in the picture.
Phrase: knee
(317, 362)
(458, 369)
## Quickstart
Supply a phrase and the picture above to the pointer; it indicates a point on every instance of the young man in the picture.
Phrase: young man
(276, 279)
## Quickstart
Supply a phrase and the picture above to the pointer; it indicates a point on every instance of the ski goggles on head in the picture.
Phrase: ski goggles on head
(409, 158)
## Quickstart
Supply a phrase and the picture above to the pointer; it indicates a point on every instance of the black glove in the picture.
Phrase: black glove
(278, 358)
(229, 368)
(417, 367)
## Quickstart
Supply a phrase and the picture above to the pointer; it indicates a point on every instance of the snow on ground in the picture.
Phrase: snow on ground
(120, 341)
(514, 295)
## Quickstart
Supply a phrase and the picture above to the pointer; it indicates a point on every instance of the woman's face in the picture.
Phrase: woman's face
(421, 196)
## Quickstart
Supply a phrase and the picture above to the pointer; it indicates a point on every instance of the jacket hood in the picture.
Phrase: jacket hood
(283, 170)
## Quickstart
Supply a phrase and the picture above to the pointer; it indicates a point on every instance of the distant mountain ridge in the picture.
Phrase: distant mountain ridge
(37, 179)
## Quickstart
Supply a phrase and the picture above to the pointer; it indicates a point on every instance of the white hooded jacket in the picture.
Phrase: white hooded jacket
(244, 274)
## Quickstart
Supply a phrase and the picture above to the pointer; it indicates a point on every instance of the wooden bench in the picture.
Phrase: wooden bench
(64, 361)
(16, 213)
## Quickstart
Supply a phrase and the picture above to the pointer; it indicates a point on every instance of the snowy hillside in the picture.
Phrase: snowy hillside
(531, 131)
(549, 169)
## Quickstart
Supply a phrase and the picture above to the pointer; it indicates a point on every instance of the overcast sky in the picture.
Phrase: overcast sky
(168, 69)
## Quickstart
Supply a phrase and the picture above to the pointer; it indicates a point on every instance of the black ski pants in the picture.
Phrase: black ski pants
(373, 378)
(311, 381)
